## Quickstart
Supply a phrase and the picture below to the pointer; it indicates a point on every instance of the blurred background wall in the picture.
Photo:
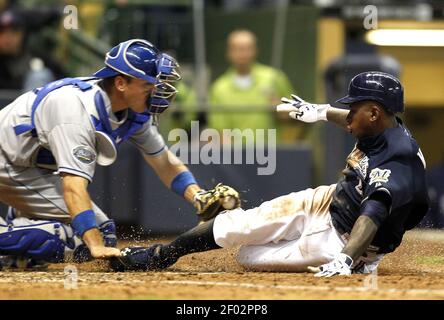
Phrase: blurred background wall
(318, 45)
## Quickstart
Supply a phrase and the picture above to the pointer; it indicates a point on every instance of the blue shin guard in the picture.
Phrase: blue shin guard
(43, 240)
(50, 241)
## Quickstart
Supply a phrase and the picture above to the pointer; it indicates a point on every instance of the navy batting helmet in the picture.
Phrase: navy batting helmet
(138, 58)
(376, 86)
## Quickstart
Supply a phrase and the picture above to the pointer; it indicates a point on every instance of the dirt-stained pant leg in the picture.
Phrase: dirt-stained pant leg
(288, 233)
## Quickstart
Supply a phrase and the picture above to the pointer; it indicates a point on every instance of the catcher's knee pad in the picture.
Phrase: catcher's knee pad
(108, 230)
(43, 240)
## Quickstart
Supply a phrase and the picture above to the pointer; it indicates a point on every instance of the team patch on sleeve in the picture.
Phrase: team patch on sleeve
(84, 154)
(379, 176)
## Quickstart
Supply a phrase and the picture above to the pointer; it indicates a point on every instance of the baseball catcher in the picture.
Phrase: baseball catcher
(331, 230)
(52, 138)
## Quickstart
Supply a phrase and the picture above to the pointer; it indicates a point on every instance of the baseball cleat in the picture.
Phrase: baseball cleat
(141, 259)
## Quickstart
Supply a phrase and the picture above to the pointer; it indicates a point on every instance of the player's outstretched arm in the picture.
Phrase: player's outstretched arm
(167, 167)
(338, 116)
(83, 217)
(176, 176)
(299, 109)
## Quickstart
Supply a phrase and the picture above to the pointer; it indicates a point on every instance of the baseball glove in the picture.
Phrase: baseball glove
(210, 203)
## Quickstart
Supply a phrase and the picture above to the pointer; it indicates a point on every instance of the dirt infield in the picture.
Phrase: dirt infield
(414, 271)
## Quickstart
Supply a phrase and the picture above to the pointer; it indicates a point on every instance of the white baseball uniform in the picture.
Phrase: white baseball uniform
(287, 233)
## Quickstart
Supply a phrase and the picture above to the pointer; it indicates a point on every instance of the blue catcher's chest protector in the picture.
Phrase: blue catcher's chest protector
(132, 124)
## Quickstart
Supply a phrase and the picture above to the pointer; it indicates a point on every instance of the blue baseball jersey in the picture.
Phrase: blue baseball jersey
(392, 163)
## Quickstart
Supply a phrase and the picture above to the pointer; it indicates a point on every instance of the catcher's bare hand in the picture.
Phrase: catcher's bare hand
(100, 252)
(209, 203)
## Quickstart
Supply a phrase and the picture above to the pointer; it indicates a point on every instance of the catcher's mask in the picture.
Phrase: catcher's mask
(138, 58)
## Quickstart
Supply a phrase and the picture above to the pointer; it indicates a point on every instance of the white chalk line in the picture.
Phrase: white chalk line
(297, 287)
(60, 278)
(186, 273)
(80, 281)
(90, 282)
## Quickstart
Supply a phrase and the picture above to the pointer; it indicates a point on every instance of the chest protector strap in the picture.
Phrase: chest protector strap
(134, 122)
(42, 93)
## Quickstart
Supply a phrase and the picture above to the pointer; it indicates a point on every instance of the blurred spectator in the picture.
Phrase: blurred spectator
(20, 69)
(4, 4)
(235, 5)
(435, 217)
(247, 84)
(185, 105)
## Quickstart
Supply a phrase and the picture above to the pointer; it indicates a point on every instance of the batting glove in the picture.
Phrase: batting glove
(302, 110)
(341, 265)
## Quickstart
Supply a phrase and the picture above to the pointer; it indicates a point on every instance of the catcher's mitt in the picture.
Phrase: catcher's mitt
(210, 203)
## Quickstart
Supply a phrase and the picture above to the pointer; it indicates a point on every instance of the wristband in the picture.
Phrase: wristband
(182, 181)
(84, 221)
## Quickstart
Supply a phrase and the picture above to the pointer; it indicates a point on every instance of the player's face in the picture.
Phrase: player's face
(11, 41)
(359, 119)
(136, 94)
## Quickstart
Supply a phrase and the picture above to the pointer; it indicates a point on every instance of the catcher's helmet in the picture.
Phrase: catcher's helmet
(377, 86)
(138, 58)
